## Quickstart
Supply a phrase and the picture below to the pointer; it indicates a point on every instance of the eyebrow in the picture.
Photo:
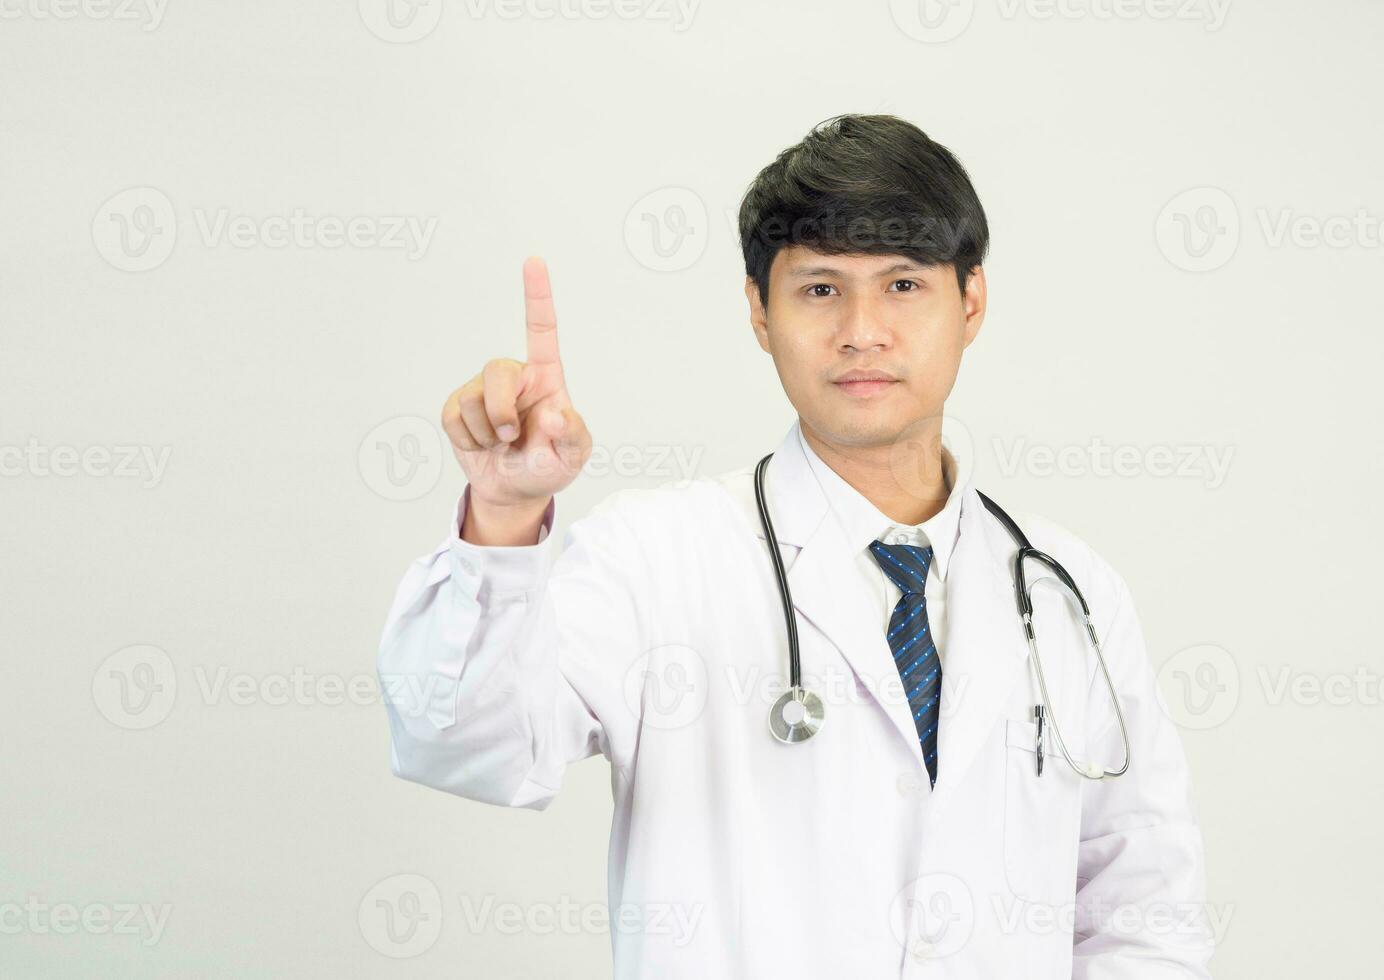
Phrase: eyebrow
(827, 270)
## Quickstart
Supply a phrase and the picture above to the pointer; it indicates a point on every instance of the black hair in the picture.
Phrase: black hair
(864, 183)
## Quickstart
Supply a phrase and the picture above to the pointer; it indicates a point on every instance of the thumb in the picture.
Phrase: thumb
(561, 424)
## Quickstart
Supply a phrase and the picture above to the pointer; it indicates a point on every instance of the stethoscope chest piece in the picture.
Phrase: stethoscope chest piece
(796, 716)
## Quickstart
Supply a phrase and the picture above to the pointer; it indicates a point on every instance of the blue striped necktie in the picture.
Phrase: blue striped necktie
(915, 653)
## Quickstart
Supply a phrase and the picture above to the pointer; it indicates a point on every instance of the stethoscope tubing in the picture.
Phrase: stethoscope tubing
(1025, 551)
(794, 659)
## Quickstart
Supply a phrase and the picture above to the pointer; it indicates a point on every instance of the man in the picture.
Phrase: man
(912, 835)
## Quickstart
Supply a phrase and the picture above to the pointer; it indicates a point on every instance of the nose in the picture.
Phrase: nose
(862, 326)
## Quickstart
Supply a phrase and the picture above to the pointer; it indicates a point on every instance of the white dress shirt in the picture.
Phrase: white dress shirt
(864, 522)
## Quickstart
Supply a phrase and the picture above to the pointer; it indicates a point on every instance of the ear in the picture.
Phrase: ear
(759, 317)
(973, 299)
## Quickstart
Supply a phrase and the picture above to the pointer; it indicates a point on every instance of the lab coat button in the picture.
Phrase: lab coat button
(466, 566)
(922, 950)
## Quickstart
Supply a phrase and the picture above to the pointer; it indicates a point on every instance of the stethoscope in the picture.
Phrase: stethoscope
(798, 714)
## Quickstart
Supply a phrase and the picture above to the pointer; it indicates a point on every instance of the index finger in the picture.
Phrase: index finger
(539, 313)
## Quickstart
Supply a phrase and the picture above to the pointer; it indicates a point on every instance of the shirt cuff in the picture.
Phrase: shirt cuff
(497, 568)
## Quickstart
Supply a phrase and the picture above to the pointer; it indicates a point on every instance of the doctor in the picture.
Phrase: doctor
(912, 835)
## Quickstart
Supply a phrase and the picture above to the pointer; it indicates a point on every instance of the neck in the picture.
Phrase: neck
(904, 478)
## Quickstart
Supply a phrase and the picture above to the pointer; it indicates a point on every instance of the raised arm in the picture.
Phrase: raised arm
(502, 661)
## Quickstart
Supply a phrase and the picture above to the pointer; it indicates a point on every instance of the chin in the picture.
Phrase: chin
(859, 429)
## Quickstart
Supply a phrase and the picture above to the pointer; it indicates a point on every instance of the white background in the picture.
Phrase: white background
(1138, 163)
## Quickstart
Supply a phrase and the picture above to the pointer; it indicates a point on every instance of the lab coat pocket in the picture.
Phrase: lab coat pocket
(1042, 819)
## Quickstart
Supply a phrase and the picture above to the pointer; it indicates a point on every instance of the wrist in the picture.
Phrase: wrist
(516, 523)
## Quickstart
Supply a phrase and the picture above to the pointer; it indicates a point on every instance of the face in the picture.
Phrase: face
(831, 318)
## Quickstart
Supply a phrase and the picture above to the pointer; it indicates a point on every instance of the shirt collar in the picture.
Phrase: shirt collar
(863, 522)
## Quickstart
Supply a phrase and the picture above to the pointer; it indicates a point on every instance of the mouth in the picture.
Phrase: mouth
(865, 384)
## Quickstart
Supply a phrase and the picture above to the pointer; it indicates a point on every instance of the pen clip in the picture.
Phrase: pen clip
(1038, 715)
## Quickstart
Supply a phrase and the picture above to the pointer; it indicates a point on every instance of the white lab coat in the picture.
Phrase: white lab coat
(656, 638)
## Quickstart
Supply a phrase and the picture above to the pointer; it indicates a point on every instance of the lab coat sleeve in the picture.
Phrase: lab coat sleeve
(501, 665)
(1140, 901)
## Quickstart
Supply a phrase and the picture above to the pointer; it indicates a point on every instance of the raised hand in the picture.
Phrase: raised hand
(512, 426)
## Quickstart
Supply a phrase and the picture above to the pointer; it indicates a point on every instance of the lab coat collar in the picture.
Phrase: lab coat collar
(864, 522)
(985, 646)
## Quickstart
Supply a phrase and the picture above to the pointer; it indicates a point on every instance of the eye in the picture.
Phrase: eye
(912, 284)
(819, 285)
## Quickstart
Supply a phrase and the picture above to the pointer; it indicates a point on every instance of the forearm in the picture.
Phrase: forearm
(458, 688)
